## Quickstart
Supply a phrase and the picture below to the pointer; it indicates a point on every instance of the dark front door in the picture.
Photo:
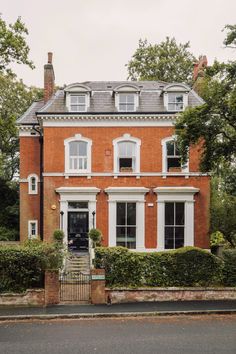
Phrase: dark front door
(78, 231)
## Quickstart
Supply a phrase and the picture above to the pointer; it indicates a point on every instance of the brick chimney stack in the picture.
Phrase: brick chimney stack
(199, 67)
(49, 79)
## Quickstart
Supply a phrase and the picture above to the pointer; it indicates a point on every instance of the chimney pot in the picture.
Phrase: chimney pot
(50, 57)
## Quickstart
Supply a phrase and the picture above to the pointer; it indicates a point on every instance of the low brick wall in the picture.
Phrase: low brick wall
(122, 295)
(31, 297)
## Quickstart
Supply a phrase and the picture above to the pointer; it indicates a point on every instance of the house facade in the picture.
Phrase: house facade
(104, 155)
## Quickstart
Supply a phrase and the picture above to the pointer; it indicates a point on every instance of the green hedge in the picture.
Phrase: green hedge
(187, 266)
(22, 267)
(229, 272)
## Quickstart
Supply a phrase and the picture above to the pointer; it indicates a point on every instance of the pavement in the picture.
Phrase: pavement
(166, 308)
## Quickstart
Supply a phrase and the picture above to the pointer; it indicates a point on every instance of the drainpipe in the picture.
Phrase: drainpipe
(39, 131)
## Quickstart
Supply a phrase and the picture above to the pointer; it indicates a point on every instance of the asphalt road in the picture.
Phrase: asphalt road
(165, 335)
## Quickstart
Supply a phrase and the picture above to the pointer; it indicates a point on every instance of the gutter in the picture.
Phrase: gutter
(41, 197)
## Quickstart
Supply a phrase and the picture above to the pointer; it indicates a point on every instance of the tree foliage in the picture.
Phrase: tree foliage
(230, 40)
(167, 61)
(13, 46)
(214, 122)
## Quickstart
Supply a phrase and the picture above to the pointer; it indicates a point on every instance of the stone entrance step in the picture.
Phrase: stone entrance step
(77, 263)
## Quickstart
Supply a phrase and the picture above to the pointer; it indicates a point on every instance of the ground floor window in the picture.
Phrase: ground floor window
(126, 224)
(174, 224)
(32, 229)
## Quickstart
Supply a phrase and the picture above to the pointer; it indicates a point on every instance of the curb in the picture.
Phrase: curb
(113, 315)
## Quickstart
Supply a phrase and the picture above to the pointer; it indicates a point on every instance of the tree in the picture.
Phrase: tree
(213, 123)
(213, 126)
(230, 40)
(167, 61)
(13, 46)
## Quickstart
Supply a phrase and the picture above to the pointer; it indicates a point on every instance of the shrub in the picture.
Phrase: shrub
(22, 267)
(8, 234)
(187, 266)
(58, 235)
(229, 271)
(96, 236)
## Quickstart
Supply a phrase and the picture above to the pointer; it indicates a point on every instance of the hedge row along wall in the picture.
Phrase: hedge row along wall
(187, 266)
(23, 267)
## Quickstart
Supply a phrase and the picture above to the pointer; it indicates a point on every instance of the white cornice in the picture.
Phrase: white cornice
(110, 116)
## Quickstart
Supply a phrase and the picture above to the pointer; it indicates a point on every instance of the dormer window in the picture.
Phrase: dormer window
(175, 97)
(78, 103)
(77, 97)
(175, 101)
(127, 102)
(127, 98)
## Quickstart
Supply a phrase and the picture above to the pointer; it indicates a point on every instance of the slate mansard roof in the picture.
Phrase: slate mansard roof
(102, 99)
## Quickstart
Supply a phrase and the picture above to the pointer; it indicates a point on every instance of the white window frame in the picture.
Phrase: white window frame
(175, 102)
(174, 225)
(126, 138)
(30, 222)
(77, 138)
(175, 194)
(184, 168)
(30, 190)
(132, 195)
(126, 225)
(131, 92)
(68, 100)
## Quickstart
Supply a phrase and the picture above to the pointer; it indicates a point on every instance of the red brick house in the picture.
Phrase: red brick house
(103, 154)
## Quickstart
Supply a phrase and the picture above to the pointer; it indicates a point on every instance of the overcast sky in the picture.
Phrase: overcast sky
(94, 39)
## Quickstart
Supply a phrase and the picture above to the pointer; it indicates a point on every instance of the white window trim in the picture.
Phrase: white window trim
(68, 100)
(117, 100)
(78, 137)
(184, 169)
(30, 191)
(127, 194)
(30, 222)
(166, 100)
(128, 138)
(175, 194)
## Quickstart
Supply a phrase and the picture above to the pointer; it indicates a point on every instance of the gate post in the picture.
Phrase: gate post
(98, 286)
(52, 287)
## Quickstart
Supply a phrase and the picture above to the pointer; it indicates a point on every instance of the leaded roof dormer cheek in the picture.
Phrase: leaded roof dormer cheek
(175, 97)
(77, 98)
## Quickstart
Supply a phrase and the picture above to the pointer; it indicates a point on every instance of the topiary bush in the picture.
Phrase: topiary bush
(187, 266)
(58, 236)
(22, 267)
(229, 271)
(96, 236)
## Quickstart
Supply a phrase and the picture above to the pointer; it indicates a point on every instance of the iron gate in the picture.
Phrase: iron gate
(75, 287)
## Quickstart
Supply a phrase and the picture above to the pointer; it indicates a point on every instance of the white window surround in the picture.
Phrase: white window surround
(128, 138)
(30, 184)
(77, 137)
(175, 194)
(184, 169)
(177, 89)
(32, 225)
(118, 97)
(76, 194)
(127, 194)
(68, 100)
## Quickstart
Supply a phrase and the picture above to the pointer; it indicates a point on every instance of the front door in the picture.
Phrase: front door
(78, 231)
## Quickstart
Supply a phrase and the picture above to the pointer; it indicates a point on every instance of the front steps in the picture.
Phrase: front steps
(77, 263)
